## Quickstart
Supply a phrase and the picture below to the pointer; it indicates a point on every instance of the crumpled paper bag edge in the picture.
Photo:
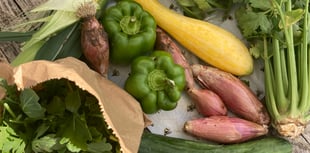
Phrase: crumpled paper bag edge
(126, 140)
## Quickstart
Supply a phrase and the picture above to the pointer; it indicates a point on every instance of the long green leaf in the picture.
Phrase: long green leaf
(59, 20)
(64, 44)
(16, 36)
(27, 55)
(72, 47)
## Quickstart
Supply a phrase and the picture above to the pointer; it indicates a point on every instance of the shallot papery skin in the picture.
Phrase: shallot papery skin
(224, 129)
(207, 102)
(165, 42)
(236, 95)
(95, 45)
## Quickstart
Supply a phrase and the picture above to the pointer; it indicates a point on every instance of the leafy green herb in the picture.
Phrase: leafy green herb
(253, 23)
(29, 103)
(9, 140)
(73, 101)
(98, 147)
(47, 143)
(67, 119)
(200, 8)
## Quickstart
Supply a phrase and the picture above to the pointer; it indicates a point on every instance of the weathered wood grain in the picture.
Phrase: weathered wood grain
(12, 13)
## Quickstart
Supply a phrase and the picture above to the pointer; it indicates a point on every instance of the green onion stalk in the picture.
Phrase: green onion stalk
(287, 70)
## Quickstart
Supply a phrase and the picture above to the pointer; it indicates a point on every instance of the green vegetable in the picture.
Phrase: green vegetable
(163, 144)
(55, 116)
(56, 22)
(199, 8)
(62, 45)
(15, 36)
(131, 31)
(156, 81)
(279, 33)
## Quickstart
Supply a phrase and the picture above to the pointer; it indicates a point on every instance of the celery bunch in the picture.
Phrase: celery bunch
(278, 31)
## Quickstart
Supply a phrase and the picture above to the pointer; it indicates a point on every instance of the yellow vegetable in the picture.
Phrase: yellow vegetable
(209, 42)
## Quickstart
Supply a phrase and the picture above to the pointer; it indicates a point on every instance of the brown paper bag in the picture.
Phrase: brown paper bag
(120, 110)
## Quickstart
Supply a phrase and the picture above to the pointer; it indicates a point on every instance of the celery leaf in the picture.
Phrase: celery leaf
(76, 130)
(73, 101)
(47, 143)
(30, 104)
(9, 141)
(261, 4)
(99, 147)
(252, 23)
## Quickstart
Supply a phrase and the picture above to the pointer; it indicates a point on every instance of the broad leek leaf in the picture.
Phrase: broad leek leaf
(15, 36)
(62, 45)
(59, 20)
(28, 55)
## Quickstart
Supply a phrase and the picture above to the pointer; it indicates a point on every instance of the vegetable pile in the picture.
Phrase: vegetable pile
(218, 90)
(55, 116)
(209, 42)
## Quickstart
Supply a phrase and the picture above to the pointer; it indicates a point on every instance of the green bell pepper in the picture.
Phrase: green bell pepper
(131, 31)
(156, 81)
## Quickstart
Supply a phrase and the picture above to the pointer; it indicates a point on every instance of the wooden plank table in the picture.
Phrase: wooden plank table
(12, 12)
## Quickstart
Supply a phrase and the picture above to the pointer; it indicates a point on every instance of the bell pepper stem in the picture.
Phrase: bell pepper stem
(158, 80)
(170, 82)
(130, 25)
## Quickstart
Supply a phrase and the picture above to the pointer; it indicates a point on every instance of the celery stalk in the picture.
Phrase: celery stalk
(287, 74)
